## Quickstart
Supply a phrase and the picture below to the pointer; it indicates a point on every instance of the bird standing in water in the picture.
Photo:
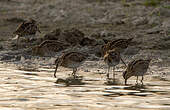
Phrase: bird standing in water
(136, 68)
(112, 58)
(70, 60)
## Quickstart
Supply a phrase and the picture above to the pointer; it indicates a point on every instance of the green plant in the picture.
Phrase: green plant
(152, 2)
(123, 1)
(168, 7)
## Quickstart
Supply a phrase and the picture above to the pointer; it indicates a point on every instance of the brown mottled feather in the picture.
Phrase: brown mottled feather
(27, 28)
(73, 56)
(119, 44)
(141, 64)
(70, 60)
(136, 68)
(112, 58)
(50, 45)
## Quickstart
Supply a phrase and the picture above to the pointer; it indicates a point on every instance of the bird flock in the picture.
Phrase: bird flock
(111, 53)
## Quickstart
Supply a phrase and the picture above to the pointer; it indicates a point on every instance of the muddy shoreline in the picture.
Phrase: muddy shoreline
(27, 81)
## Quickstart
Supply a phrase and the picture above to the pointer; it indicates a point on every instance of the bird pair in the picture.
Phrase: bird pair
(111, 53)
(135, 68)
(112, 57)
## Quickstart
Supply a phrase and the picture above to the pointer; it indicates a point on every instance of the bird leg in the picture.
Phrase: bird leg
(123, 61)
(137, 80)
(113, 73)
(142, 80)
(74, 72)
(55, 70)
(108, 72)
(125, 81)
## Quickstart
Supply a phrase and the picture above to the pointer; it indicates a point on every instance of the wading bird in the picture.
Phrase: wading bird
(112, 58)
(136, 68)
(70, 60)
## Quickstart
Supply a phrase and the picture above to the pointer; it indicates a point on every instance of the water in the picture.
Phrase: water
(37, 90)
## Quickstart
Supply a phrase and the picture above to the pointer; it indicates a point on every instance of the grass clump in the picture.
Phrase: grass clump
(152, 2)
(168, 7)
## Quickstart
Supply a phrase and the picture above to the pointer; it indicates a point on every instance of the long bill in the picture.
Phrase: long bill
(125, 81)
(55, 70)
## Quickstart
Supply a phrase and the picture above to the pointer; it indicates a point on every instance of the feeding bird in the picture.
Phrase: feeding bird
(136, 68)
(70, 60)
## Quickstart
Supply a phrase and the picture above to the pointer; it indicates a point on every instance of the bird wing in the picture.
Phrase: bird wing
(131, 65)
(20, 28)
(121, 43)
(75, 56)
(26, 28)
(139, 65)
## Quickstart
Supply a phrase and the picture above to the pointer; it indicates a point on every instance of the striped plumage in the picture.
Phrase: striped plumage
(26, 28)
(112, 58)
(48, 46)
(119, 44)
(70, 60)
(136, 68)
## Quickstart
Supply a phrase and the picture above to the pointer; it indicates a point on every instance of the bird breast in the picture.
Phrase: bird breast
(112, 60)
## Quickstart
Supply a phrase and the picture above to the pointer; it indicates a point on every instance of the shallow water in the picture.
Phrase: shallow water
(25, 90)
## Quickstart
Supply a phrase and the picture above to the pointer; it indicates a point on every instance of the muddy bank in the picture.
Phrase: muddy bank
(27, 80)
